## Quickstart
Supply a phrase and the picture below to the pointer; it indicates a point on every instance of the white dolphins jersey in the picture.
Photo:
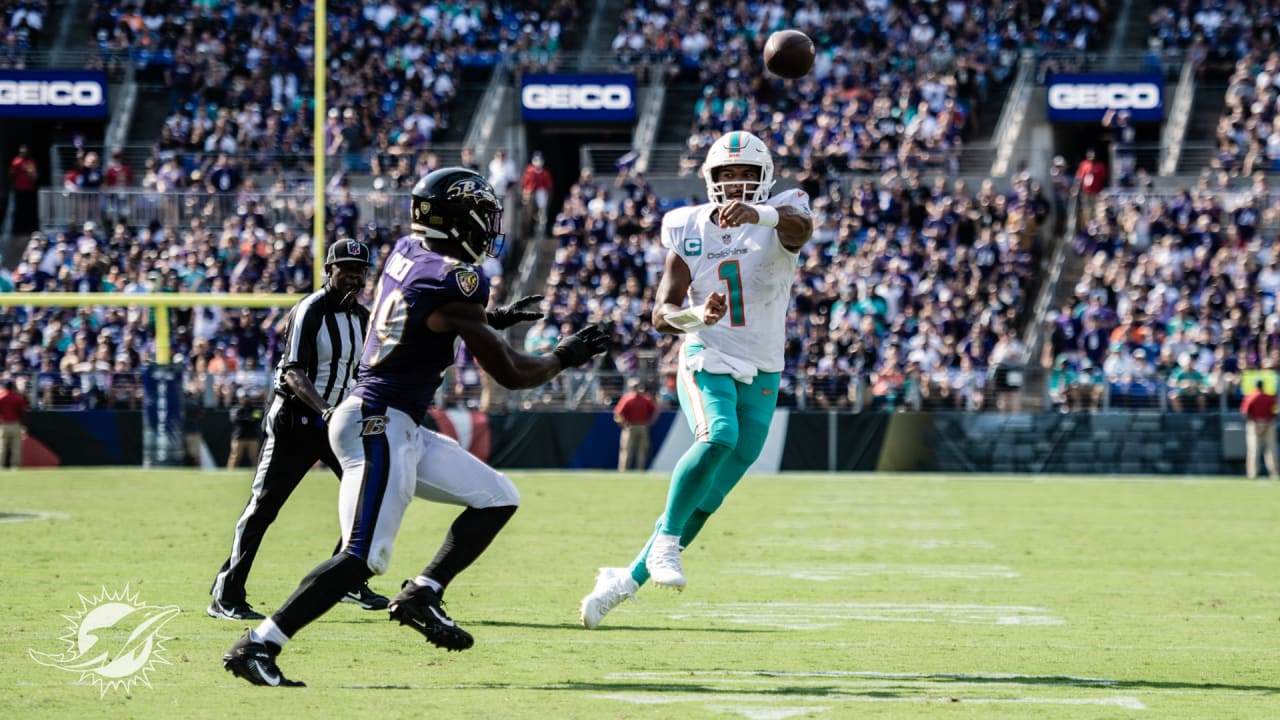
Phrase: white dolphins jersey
(751, 268)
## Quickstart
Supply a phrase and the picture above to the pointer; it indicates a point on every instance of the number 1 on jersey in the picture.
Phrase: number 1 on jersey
(730, 272)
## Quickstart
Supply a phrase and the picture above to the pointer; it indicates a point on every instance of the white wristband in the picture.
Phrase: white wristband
(768, 215)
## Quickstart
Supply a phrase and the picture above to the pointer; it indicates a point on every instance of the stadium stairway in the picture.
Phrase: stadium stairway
(976, 153)
(1100, 443)
(1131, 29)
(1036, 378)
(677, 115)
(148, 116)
(1202, 127)
(465, 101)
(73, 33)
(594, 40)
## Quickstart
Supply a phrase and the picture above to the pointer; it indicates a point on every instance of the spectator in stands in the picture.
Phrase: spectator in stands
(90, 176)
(1007, 361)
(117, 177)
(502, 173)
(468, 159)
(535, 188)
(1123, 135)
(1091, 180)
(1187, 385)
(24, 178)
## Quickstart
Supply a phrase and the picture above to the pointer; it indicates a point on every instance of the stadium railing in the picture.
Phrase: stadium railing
(596, 389)
(1166, 62)
(676, 160)
(62, 157)
(113, 62)
(61, 209)
(1009, 127)
(1174, 137)
(1229, 199)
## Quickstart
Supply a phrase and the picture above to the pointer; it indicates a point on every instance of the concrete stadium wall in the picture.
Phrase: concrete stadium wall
(1133, 442)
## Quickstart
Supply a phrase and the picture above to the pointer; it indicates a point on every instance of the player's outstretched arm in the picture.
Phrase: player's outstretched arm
(511, 368)
(511, 314)
(794, 225)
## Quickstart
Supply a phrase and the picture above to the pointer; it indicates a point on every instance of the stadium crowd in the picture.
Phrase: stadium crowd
(240, 86)
(1235, 42)
(913, 291)
(894, 85)
(1177, 298)
(21, 30)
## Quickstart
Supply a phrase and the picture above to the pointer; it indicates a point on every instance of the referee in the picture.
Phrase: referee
(325, 335)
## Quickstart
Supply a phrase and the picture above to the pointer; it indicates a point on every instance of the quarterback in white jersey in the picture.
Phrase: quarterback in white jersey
(747, 266)
(734, 259)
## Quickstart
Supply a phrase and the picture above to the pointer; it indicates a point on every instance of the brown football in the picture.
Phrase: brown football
(789, 54)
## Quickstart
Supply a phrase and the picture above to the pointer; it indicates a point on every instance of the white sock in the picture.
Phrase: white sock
(424, 581)
(268, 631)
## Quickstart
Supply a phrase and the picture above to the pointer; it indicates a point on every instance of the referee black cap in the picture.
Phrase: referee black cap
(348, 251)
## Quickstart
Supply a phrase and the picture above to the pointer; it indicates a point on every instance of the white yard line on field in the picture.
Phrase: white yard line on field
(843, 571)
(831, 544)
(761, 710)
(817, 616)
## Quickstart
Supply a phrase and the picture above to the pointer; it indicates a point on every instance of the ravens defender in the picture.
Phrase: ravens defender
(432, 291)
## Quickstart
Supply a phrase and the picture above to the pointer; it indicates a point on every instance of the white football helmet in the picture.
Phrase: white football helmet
(738, 148)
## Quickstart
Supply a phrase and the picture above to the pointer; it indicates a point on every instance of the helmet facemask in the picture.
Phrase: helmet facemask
(738, 148)
(485, 237)
(753, 191)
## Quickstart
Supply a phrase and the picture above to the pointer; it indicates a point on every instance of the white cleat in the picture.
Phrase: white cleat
(663, 562)
(612, 586)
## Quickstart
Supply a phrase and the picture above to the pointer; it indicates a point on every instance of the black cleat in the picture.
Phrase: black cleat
(366, 598)
(256, 662)
(233, 611)
(419, 607)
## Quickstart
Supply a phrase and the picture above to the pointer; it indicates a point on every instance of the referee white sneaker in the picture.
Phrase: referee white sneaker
(613, 585)
(663, 562)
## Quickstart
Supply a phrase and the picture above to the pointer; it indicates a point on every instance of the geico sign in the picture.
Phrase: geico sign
(587, 96)
(60, 93)
(1104, 96)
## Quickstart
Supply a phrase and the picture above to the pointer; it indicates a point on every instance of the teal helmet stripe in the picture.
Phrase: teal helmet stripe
(735, 142)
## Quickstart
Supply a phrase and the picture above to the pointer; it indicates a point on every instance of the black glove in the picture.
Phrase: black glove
(325, 415)
(581, 346)
(515, 313)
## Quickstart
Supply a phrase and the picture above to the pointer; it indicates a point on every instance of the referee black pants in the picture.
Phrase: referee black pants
(295, 440)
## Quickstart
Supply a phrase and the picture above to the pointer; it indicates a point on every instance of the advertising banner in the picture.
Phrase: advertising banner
(565, 98)
(1086, 97)
(53, 94)
(162, 415)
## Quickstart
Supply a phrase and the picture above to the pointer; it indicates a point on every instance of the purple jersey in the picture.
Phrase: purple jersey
(404, 361)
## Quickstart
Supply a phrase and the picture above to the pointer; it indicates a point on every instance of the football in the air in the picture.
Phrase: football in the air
(789, 54)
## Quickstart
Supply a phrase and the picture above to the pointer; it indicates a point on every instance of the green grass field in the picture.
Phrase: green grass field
(865, 596)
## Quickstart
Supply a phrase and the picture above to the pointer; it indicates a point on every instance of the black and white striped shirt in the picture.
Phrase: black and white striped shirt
(325, 342)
